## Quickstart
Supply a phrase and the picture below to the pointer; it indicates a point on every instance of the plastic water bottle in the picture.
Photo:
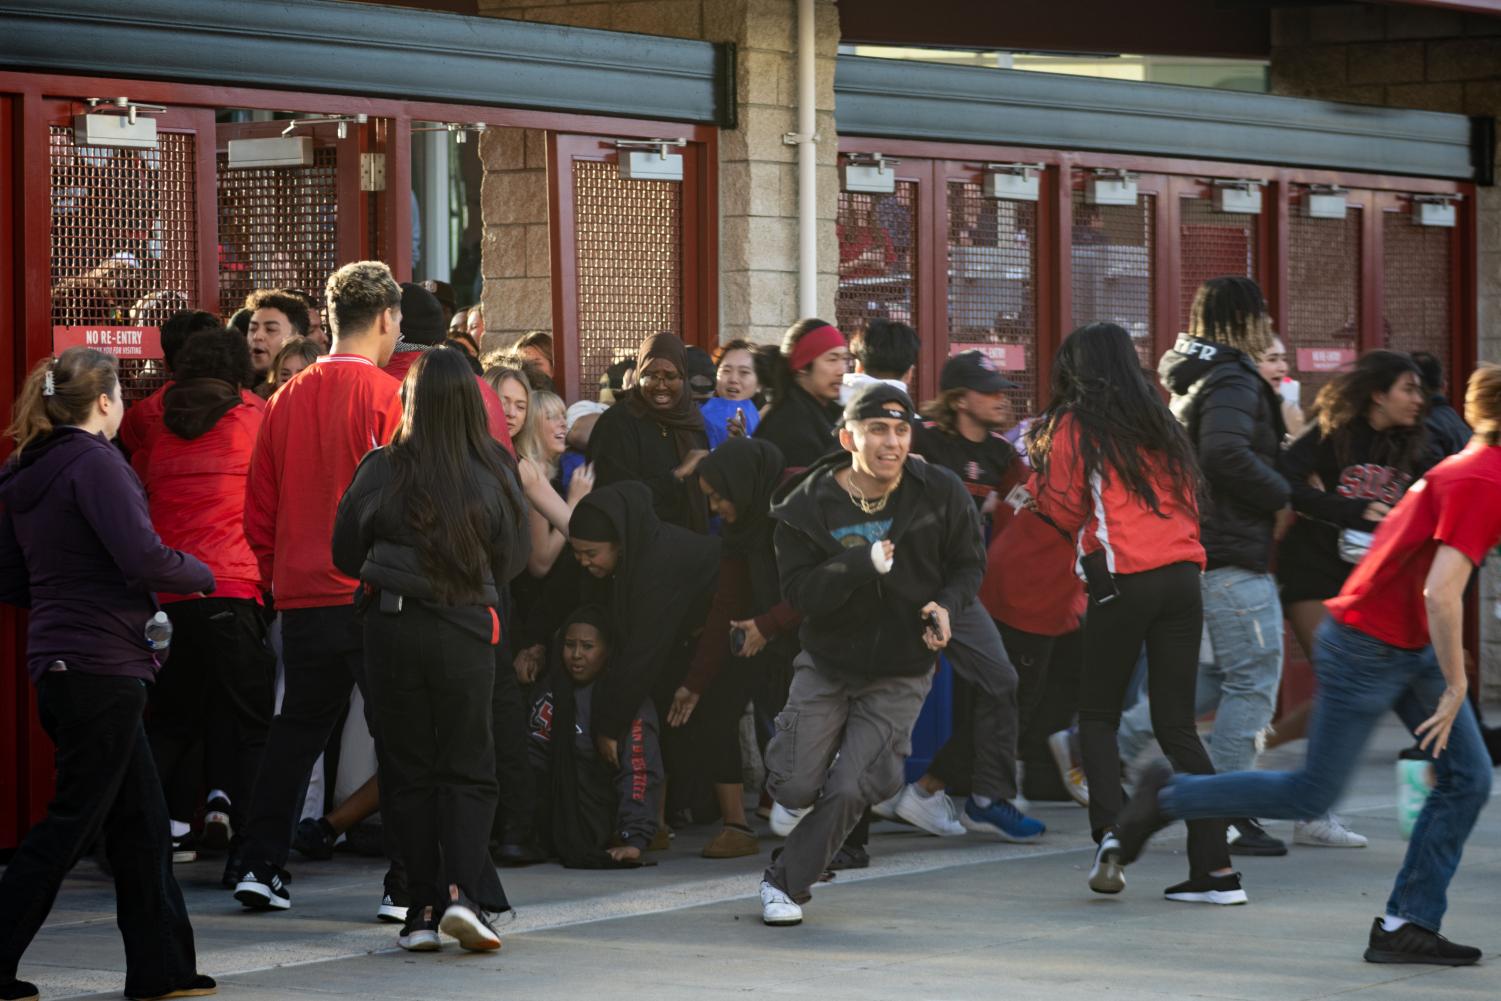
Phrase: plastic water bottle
(1415, 780)
(159, 632)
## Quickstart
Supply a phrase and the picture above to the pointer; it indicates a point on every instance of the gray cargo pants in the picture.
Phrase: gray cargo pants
(839, 747)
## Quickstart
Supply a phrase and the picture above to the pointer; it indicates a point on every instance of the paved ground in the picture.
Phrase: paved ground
(939, 919)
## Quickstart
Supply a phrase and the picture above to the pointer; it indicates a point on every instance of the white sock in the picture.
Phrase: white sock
(921, 792)
(982, 801)
(218, 794)
(179, 828)
(1391, 922)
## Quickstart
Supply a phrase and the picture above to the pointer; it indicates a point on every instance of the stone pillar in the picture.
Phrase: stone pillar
(516, 259)
(1433, 60)
(757, 170)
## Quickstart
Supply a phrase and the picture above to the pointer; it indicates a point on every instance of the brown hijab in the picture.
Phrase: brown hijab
(683, 418)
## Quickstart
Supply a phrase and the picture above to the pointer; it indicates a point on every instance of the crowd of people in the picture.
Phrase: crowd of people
(558, 613)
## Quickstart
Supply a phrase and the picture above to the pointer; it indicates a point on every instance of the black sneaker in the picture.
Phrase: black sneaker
(420, 933)
(849, 857)
(464, 920)
(217, 830)
(1415, 944)
(200, 986)
(185, 848)
(314, 839)
(1222, 890)
(263, 888)
(19, 990)
(1141, 817)
(1247, 837)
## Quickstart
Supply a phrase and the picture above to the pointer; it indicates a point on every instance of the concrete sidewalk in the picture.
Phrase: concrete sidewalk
(951, 918)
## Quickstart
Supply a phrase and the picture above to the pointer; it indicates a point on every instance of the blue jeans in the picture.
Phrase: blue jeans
(1239, 669)
(1359, 679)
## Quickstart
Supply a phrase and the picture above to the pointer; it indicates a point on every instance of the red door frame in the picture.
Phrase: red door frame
(1171, 179)
(700, 238)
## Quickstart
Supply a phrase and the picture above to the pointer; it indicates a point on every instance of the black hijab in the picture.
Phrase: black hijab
(746, 472)
(683, 419)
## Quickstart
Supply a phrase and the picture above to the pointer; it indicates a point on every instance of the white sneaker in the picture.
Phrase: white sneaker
(777, 908)
(886, 809)
(934, 814)
(1327, 831)
(783, 820)
(1107, 874)
(1061, 744)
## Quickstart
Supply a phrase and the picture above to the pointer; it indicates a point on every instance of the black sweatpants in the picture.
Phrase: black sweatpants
(430, 684)
(220, 677)
(516, 798)
(1164, 609)
(106, 783)
(714, 728)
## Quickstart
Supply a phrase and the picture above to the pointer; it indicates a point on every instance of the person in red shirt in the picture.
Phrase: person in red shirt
(1115, 471)
(317, 429)
(1394, 642)
(217, 690)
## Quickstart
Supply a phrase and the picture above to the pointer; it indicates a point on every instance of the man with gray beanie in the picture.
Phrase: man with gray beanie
(879, 552)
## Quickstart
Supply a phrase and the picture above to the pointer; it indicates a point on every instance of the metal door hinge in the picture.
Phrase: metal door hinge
(372, 172)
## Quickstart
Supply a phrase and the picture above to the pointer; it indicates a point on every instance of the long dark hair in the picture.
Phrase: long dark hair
(1098, 381)
(442, 434)
(782, 373)
(1232, 311)
(1345, 400)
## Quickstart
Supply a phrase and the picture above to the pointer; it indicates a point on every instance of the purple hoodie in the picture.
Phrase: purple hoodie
(78, 549)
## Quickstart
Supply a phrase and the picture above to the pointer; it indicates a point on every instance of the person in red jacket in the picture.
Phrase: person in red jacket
(143, 421)
(1116, 472)
(317, 428)
(422, 329)
(220, 677)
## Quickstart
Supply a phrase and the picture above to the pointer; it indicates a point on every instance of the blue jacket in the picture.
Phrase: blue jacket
(78, 549)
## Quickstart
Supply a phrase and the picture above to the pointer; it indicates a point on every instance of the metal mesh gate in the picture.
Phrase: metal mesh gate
(1323, 298)
(1418, 273)
(630, 264)
(1212, 244)
(877, 257)
(124, 239)
(992, 284)
(278, 227)
(1112, 268)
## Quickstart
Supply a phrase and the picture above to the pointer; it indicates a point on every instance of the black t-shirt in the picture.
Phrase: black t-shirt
(982, 465)
(851, 527)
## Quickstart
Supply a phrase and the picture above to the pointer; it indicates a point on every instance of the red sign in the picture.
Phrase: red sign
(1325, 359)
(1005, 357)
(122, 342)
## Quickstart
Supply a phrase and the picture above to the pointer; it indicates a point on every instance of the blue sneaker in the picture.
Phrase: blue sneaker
(1001, 819)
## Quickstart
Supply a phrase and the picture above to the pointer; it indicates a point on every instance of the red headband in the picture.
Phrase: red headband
(814, 343)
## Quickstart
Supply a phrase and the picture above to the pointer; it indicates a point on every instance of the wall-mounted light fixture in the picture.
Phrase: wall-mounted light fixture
(867, 173)
(1016, 182)
(116, 122)
(1242, 196)
(1110, 187)
(1436, 210)
(651, 159)
(275, 151)
(1325, 201)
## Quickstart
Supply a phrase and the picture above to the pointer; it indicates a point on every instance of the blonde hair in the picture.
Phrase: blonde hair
(544, 406)
(497, 377)
(296, 347)
(62, 390)
(943, 409)
(1483, 403)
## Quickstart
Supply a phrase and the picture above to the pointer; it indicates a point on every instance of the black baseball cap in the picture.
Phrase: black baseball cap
(878, 399)
(973, 370)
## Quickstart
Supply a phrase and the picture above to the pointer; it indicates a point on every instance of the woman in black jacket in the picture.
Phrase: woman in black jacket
(434, 526)
(655, 434)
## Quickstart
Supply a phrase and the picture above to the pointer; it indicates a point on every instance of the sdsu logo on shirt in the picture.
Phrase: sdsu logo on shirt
(1375, 482)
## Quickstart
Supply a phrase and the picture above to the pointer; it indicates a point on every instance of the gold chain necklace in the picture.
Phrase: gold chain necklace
(858, 498)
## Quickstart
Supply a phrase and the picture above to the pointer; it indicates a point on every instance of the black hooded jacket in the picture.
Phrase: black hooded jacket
(1234, 420)
(857, 620)
(657, 598)
(801, 427)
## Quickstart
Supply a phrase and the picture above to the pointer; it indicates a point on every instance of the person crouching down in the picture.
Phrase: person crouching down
(878, 552)
(593, 813)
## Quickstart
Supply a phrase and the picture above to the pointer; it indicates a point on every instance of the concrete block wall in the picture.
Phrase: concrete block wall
(757, 171)
(516, 257)
(1433, 60)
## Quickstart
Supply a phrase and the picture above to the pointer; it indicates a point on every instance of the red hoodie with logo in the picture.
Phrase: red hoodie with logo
(317, 428)
(1103, 513)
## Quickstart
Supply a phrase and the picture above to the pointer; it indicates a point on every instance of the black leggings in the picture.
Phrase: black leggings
(1164, 609)
(714, 728)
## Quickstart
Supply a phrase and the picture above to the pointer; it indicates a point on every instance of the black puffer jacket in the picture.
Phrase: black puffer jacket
(373, 539)
(1235, 422)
